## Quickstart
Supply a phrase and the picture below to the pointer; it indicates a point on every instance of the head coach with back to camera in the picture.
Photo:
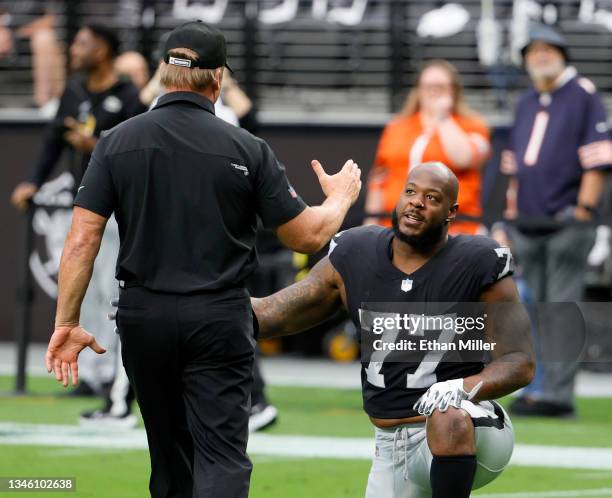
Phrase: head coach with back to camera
(186, 189)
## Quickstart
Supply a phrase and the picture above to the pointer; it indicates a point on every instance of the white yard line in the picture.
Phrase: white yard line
(593, 475)
(68, 436)
(562, 456)
(577, 493)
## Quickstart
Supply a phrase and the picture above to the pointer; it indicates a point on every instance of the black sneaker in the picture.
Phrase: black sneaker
(262, 416)
(537, 408)
(104, 418)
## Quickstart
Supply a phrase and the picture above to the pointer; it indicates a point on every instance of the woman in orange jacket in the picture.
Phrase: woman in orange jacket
(435, 124)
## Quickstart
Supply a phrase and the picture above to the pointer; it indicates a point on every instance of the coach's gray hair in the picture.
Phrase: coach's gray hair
(195, 79)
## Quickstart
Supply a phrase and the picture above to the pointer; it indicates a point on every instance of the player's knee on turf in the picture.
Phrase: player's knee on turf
(451, 433)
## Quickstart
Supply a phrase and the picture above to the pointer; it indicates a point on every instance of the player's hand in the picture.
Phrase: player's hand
(22, 195)
(346, 184)
(63, 352)
(582, 214)
(444, 394)
(76, 138)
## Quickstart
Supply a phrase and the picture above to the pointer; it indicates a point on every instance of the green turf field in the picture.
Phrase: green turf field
(111, 473)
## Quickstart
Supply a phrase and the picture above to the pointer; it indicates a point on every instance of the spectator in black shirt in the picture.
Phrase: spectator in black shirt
(95, 99)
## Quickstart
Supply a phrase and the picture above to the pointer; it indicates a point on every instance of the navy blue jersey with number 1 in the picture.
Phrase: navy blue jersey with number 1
(459, 272)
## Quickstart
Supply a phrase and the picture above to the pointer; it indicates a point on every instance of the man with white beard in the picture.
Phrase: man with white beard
(558, 150)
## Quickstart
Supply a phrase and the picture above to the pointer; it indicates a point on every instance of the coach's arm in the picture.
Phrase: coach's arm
(302, 305)
(507, 326)
(76, 266)
(309, 231)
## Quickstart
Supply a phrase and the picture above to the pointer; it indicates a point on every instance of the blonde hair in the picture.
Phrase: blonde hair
(184, 77)
(460, 106)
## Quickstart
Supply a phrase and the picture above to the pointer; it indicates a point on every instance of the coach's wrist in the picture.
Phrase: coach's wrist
(66, 321)
(340, 202)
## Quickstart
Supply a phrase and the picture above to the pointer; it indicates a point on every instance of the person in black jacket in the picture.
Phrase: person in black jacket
(95, 99)
(235, 107)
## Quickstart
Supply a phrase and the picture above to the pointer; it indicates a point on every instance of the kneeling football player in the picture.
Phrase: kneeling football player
(438, 431)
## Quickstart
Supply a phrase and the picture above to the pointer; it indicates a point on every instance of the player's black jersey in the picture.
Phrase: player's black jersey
(459, 272)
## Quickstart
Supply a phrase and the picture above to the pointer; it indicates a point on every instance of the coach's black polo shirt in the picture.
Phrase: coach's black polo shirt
(186, 188)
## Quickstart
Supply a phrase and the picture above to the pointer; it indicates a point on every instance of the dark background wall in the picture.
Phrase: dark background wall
(294, 145)
(19, 146)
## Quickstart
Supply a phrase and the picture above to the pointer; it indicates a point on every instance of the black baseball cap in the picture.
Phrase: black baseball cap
(207, 41)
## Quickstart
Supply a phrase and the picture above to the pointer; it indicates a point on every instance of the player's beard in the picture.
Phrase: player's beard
(425, 240)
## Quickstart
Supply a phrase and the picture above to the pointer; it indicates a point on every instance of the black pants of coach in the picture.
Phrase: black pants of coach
(190, 360)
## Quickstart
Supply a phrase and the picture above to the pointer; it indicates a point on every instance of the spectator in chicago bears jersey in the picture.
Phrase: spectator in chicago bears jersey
(436, 124)
(558, 150)
(424, 448)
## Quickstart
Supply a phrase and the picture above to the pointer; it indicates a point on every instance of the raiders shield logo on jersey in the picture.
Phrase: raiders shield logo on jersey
(406, 285)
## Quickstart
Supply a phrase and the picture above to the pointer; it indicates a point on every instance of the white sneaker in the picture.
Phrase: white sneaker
(262, 416)
(600, 251)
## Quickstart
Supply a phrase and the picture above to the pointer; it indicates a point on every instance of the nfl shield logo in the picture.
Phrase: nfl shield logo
(407, 285)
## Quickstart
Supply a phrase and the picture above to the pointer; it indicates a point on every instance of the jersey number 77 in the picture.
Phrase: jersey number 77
(425, 373)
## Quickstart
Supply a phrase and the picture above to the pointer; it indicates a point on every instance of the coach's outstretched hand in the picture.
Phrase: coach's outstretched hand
(346, 184)
(312, 229)
(63, 352)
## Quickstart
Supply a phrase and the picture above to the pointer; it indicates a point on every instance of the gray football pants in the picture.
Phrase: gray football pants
(401, 465)
(553, 268)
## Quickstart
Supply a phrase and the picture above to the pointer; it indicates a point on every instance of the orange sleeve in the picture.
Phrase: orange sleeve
(387, 176)
(479, 138)
(480, 141)
(476, 125)
(380, 169)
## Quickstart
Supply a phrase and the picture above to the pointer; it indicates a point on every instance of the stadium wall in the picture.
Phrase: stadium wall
(294, 144)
